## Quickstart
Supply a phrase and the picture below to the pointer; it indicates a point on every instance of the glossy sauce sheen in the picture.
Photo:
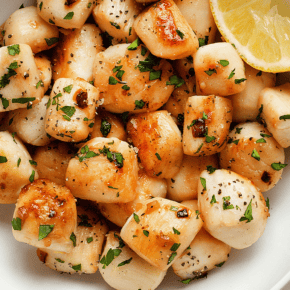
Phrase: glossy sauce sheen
(166, 24)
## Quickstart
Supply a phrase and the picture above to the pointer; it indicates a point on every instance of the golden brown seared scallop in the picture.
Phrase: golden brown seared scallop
(71, 110)
(183, 186)
(131, 79)
(245, 103)
(165, 32)
(147, 188)
(88, 242)
(158, 140)
(161, 230)
(232, 208)
(253, 153)
(75, 54)
(52, 161)
(127, 271)
(25, 26)
(29, 125)
(21, 82)
(203, 254)
(106, 125)
(45, 216)
(185, 69)
(207, 122)
(44, 66)
(104, 170)
(117, 18)
(274, 105)
(177, 102)
(65, 13)
(219, 70)
(198, 15)
(17, 167)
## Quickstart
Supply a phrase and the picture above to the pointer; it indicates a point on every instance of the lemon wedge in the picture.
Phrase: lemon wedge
(260, 35)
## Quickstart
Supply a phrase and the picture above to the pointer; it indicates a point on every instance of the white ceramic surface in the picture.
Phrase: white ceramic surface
(264, 266)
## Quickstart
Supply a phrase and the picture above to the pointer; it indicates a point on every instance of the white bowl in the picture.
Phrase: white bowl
(263, 266)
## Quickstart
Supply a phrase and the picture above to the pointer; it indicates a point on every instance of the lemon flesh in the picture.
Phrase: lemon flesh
(259, 33)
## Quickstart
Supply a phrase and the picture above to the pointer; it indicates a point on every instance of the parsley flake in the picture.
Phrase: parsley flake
(203, 182)
(248, 213)
(125, 262)
(44, 231)
(73, 238)
(16, 224)
(105, 127)
(69, 16)
(210, 72)
(224, 62)
(175, 81)
(255, 155)
(213, 200)
(13, 49)
(278, 166)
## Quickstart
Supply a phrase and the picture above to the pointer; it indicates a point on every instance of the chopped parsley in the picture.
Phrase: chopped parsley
(111, 254)
(158, 156)
(105, 127)
(84, 221)
(89, 240)
(213, 200)
(176, 232)
(73, 238)
(4, 81)
(13, 49)
(179, 33)
(255, 155)
(278, 166)
(59, 260)
(210, 169)
(226, 203)
(224, 62)
(139, 104)
(192, 124)
(31, 178)
(203, 182)
(171, 258)
(146, 233)
(69, 112)
(125, 262)
(40, 84)
(284, 117)
(86, 153)
(220, 264)
(115, 157)
(116, 25)
(203, 41)
(3, 159)
(69, 16)
(210, 71)
(175, 81)
(238, 81)
(134, 44)
(51, 41)
(136, 218)
(232, 74)
(16, 224)
(77, 267)
(248, 213)
(175, 247)
(68, 89)
(44, 231)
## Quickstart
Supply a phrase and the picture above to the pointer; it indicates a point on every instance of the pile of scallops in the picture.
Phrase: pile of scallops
(134, 139)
